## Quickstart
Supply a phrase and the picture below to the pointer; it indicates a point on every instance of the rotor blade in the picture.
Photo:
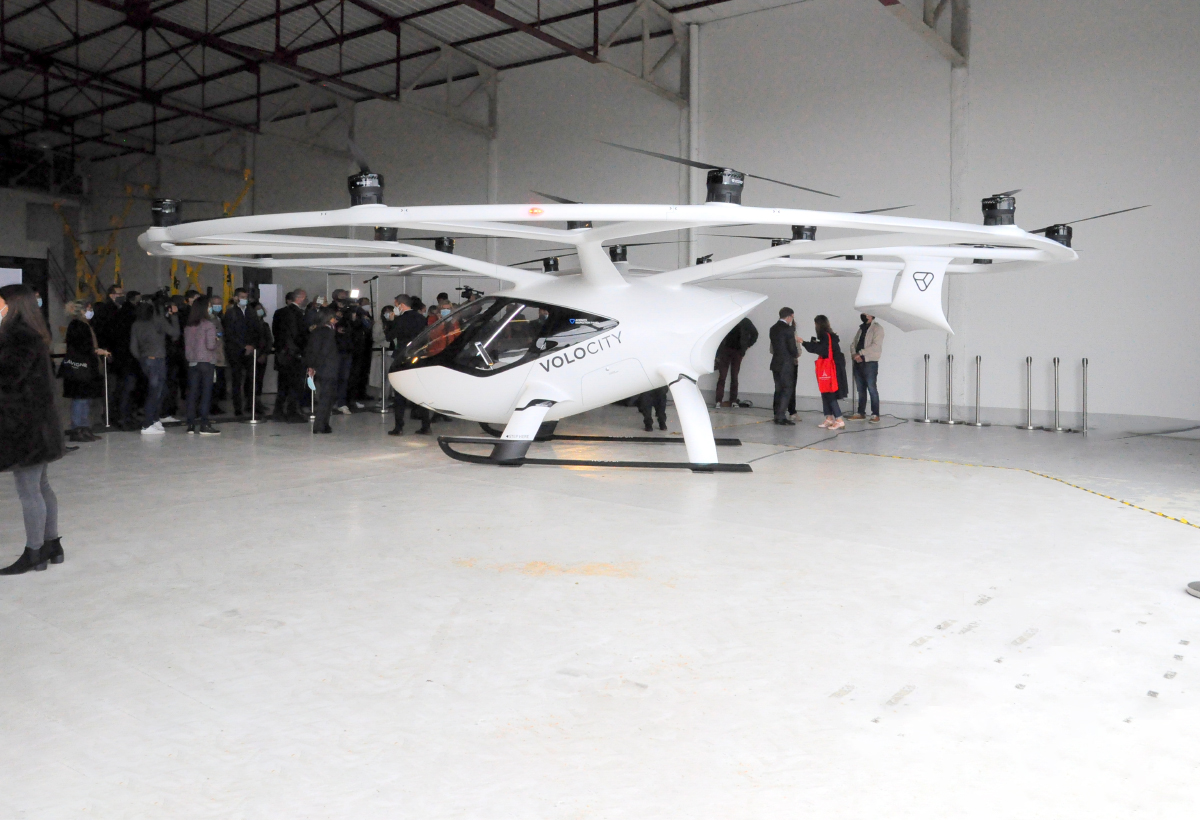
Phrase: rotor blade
(884, 210)
(1090, 218)
(702, 165)
(1010, 193)
(545, 256)
(790, 185)
(110, 230)
(554, 198)
(359, 156)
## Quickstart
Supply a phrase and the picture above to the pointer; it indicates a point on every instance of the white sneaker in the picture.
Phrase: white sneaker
(158, 428)
(359, 405)
(153, 430)
(344, 410)
(168, 420)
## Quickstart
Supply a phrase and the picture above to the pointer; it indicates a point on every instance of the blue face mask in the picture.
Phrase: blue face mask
(445, 312)
(216, 308)
(39, 301)
(243, 302)
(311, 384)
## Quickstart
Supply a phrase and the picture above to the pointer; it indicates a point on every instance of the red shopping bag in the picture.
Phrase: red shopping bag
(827, 381)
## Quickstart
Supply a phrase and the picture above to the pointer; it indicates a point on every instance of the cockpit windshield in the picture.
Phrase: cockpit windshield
(493, 334)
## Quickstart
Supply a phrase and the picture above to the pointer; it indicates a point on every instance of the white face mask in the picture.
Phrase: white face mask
(445, 312)
(88, 314)
(3, 312)
(39, 301)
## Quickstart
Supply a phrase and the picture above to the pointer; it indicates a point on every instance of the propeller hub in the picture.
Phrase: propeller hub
(1061, 234)
(574, 226)
(444, 244)
(704, 260)
(618, 253)
(550, 264)
(365, 189)
(166, 212)
(808, 232)
(1000, 210)
(386, 234)
(725, 185)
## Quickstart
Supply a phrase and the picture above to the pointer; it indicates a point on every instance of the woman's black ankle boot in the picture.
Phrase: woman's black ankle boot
(30, 559)
(52, 551)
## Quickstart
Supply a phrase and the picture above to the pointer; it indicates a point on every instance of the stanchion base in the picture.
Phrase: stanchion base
(923, 421)
(950, 421)
(1027, 427)
(1057, 430)
(979, 424)
(255, 421)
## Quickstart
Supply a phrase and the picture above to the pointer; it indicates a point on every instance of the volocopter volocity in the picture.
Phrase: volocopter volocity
(558, 344)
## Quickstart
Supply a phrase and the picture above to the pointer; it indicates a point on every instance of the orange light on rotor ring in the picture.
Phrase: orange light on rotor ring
(536, 212)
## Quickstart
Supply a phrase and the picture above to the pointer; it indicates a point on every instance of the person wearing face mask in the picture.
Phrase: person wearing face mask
(406, 327)
(31, 433)
(784, 356)
(220, 385)
(826, 345)
(80, 370)
(290, 332)
(322, 361)
(113, 322)
(147, 344)
(239, 347)
(263, 344)
(867, 350)
(364, 348)
(201, 347)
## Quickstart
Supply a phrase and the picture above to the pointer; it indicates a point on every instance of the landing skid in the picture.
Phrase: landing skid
(544, 436)
(445, 441)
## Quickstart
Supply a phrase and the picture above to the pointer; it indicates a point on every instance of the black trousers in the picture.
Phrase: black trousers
(291, 394)
(795, 381)
(326, 396)
(239, 375)
(400, 404)
(729, 363)
(785, 390)
(653, 402)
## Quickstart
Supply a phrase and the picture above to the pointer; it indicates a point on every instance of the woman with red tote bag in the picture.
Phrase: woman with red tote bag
(831, 372)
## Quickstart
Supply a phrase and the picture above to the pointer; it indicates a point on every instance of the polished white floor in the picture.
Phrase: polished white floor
(277, 625)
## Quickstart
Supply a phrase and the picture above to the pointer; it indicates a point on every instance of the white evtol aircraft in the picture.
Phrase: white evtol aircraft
(553, 346)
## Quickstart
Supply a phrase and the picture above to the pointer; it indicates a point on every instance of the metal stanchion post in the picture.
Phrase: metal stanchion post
(1028, 425)
(383, 382)
(312, 405)
(978, 370)
(108, 424)
(1085, 427)
(254, 387)
(1057, 428)
(950, 391)
(926, 420)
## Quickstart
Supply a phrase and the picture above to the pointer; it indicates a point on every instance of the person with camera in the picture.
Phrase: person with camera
(80, 370)
(148, 346)
(239, 347)
(407, 325)
(363, 332)
(263, 345)
(347, 315)
(31, 433)
(200, 344)
(322, 361)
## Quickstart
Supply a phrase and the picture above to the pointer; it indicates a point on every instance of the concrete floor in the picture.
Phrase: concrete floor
(276, 625)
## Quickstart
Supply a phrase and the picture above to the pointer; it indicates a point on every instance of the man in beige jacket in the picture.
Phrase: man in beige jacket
(866, 349)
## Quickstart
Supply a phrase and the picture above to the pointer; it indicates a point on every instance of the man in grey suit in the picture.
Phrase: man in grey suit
(784, 357)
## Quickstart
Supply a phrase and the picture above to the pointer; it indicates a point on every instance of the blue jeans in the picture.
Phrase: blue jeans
(865, 376)
(200, 388)
(829, 404)
(156, 378)
(81, 412)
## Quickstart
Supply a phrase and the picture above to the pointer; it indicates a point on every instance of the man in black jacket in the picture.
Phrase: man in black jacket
(407, 325)
(290, 335)
(239, 346)
(784, 357)
(321, 362)
(730, 353)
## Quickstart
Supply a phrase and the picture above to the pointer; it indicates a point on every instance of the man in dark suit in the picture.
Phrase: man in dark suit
(784, 358)
(407, 325)
(239, 345)
(290, 335)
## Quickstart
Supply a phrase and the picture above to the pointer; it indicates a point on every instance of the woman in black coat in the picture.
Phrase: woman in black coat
(80, 371)
(824, 344)
(322, 361)
(31, 434)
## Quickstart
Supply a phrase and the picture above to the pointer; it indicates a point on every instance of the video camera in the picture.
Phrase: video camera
(469, 293)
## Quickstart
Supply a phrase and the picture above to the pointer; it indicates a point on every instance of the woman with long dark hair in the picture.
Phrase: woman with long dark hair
(83, 379)
(826, 345)
(31, 433)
(200, 344)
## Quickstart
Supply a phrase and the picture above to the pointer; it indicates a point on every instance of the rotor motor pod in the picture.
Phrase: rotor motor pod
(618, 253)
(725, 185)
(808, 232)
(1061, 234)
(365, 189)
(775, 243)
(982, 261)
(166, 212)
(704, 260)
(386, 234)
(1000, 210)
(550, 264)
(574, 226)
(444, 244)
